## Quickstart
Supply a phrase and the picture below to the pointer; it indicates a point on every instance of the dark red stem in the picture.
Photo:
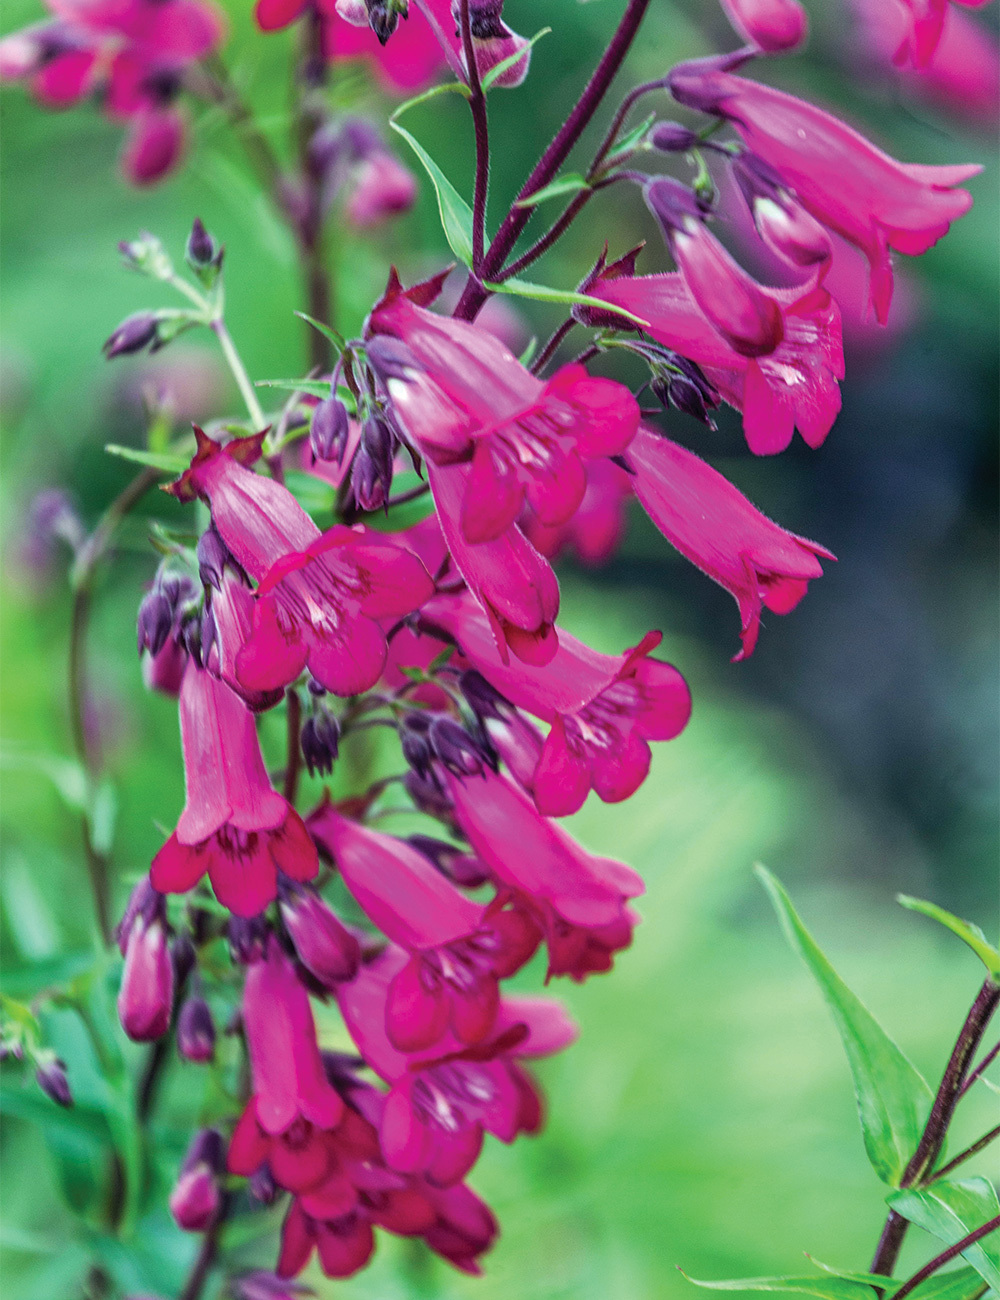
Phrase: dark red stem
(477, 103)
(945, 1257)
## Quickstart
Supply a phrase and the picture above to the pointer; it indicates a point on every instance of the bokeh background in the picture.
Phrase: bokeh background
(705, 1118)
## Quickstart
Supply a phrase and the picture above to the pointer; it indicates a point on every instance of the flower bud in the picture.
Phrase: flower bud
(155, 620)
(323, 944)
(458, 866)
(320, 741)
(194, 1201)
(134, 334)
(147, 255)
(383, 188)
(267, 1286)
(354, 12)
(671, 137)
(461, 753)
(50, 1075)
(144, 903)
(329, 430)
(371, 473)
(384, 16)
(428, 796)
(772, 25)
(202, 254)
(247, 939)
(213, 556)
(414, 739)
(196, 1031)
(145, 999)
(484, 700)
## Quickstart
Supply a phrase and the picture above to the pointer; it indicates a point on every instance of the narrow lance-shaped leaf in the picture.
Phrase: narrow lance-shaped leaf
(827, 1288)
(571, 183)
(969, 934)
(545, 293)
(950, 1211)
(456, 215)
(956, 1284)
(893, 1098)
(497, 71)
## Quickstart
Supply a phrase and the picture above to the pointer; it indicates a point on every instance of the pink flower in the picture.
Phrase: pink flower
(772, 25)
(604, 709)
(323, 944)
(794, 386)
(288, 1121)
(515, 587)
(194, 1201)
(146, 994)
(925, 24)
(717, 529)
(458, 394)
(381, 188)
(320, 594)
(493, 43)
(458, 950)
(840, 177)
(595, 532)
(579, 898)
(439, 1106)
(227, 630)
(234, 825)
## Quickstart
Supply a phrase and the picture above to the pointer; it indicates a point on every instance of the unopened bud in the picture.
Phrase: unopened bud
(196, 1031)
(323, 944)
(247, 938)
(145, 999)
(329, 430)
(203, 254)
(384, 16)
(371, 473)
(213, 556)
(458, 866)
(155, 619)
(320, 741)
(144, 902)
(462, 753)
(671, 137)
(134, 334)
(383, 188)
(267, 1286)
(194, 1201)
(262, 1186)
(428, 796)
(51, 1078)
(482, 698)
(414, 738)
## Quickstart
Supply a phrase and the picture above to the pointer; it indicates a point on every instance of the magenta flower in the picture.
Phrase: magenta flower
(840, 177)
(194, 1201)
(231, 609)
(772, 25)
(925, 25)
(458, 950)
(320, 594)
(603, 709)
(288, 1121)
(793, 387)
(458, 394)
(234, 825)
(595, 532)
(515, 587)
(719, 530)
(746, 315)
(146, 992)
(580, 899)
(134, 52)
(439, 1106)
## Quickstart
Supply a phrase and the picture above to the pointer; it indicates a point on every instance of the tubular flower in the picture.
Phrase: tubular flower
(515, 587)
(925, 22)
(840, 177)
(772, 25)
(439, 1106)
(714, 526)
(793, 387)
(579, 898)
(134, 51)
(288, 1121)
(458, 950)
(596, 530)
(603, 709)
(735, 305)
(234, 825)
(320, 594)
(458, 394)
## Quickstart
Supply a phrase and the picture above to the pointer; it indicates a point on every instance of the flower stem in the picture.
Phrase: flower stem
(946, 1256)
(477, 103)
(967, 1154)
(239, 373)
(294, 766)
(310, 225)
(206, 1257)
(980, 1069)
(552, 346)
(554, 156)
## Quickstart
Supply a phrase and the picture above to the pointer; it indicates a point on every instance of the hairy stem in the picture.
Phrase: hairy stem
(967, 1154)
(206, 1257)
(477, 103)
(235, 363)
(551, 346)
(554, 156)
(946, 1256)
(980, 1069)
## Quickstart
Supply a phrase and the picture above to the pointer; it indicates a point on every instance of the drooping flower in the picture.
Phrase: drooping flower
(603, 709)
(793, 387)
(458, 950)
(234, 825)
(288, 1121)
(440, 1104)
(714, 526)
(323, 944)
(195, 1199)
(840, 177)
(320, 594)
(579, 899)
(772, 25)
(459, 395)
(146, 992)
(134, 52)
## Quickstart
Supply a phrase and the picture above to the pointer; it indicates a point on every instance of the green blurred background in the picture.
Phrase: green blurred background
(705, 1118)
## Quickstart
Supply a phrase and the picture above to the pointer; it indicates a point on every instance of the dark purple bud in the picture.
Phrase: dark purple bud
(371, 473)
(671, 137)
(194, 1201)
(144, 902)
(213, 556)
(315, 688)
(329, 430)
(485, 19)
(202, 251)
(196, 1031)
(267, 1286)
(482, 698)
(428, 796)
(390, 358)
(133, 335)
(247, 938)
(672, 204)
(320, 741)
(184, 956)
(341, 1069)
(11, 1050)
(383, 17)
(154, 623)
(451, 861)
(461, 753)
(51, 1078)
(695, 85)
(323, 944)
(146, 994)
(262, 1186)
(414, 737)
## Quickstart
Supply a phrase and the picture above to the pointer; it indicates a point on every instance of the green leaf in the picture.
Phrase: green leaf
(544, 293)
(628, 143)
(950, 1211)
(166, 462)
(827, 1288)
(500, 68)
(449, 87)
(338, 340)
(307, 387)
(313, 494)
(571, 183)
(969, 934)
(958, 1284)
(528, 355)
(893, 1099)
(456, 215)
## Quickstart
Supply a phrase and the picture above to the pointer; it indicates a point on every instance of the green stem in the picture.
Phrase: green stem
(238, 369)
